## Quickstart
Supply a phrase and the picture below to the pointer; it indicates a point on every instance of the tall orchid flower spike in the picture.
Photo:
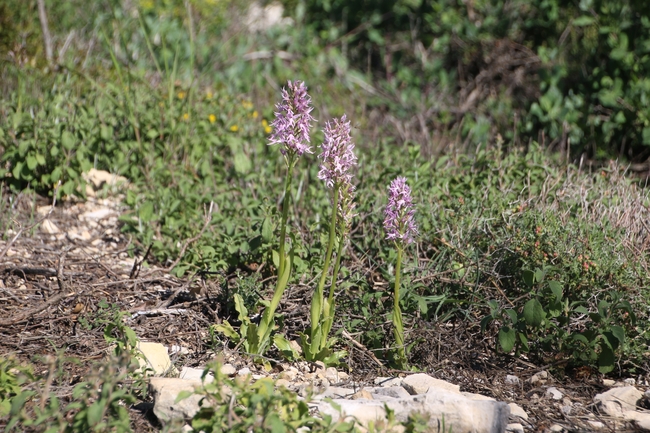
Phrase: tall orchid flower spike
(291, 129)
(292, 123)
(337, 158)
(400, 228)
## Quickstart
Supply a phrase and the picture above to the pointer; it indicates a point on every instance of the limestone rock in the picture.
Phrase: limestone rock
(388, 381)
(459, 412)
(554, 393)
(420, 383)
(164, 391)
(48, 227)
(361, 395)
(616, 401)
(517, 412)
(515, 428)
(155, 357)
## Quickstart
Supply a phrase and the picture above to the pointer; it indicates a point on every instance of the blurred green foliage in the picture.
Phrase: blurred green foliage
(570, 73)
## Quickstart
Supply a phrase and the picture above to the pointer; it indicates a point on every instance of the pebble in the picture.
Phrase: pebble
(554, 393)
(512, 379)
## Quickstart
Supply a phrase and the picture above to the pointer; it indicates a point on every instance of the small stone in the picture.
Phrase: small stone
(609, 382)
(512, 379)
(554, 393)
(343, 376)
(289, 375)
(556, 428)
(566, 410)
(517, 412)
(48, 227)
(629, 381)
(332, 375)
(597, 425)
(155, 357)
(515, 428)
(244, 371)
(258, 376)
(191, 373)
(539, 378)
(420, 383)
(228, 370)
(282, 383)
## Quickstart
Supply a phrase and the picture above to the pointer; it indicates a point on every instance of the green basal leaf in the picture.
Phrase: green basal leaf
(534, 313)
(507, 338)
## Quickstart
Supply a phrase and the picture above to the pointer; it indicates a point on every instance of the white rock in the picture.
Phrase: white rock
(343, 376)
(192, 373)
(155, 357)
(99, 177)
(515, 428)
(48, 227)
(640, 420)
(228, 370)
(554, 393)
(517, 412)
(609, 382)
(539, 378)
(630, 381)
(596, 425)
(98, 214)
(512, 379)
(282, 382)
(566, 410)
(618, 400)
(420, 383)
(332, 375)
(164, 391)
(556, 428)
(244, 371)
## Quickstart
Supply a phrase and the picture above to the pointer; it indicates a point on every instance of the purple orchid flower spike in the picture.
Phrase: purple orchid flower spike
(399, 223)
(292, 122)
(337, 157)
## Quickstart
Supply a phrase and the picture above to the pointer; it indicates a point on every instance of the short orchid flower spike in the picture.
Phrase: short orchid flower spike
(292, 124)
(399, 222)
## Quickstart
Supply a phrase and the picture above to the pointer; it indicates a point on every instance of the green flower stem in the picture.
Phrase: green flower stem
(285, 214)
(397, 313)
(266, 324)
(329, 314)
(318, 299)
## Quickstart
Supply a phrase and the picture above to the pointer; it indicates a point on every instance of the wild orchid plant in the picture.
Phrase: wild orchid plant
(400, 228)
(337, 159)
(291, 129)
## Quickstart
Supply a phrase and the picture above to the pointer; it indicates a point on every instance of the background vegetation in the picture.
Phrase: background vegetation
(504, 116)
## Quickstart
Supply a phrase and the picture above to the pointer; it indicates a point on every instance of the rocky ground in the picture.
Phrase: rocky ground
(63, 267)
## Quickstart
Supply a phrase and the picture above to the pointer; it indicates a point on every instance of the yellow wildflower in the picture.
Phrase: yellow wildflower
(186, 116)
(247, 105)
(267, 127)
(212, 118)
(234, 128)
(255, 114)
(208, 94)
(181, 95)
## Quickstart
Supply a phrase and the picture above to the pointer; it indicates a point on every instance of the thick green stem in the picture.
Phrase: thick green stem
(265, 326)
(317, 300)
(397, 313)
(285, 215)
(329, 319)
